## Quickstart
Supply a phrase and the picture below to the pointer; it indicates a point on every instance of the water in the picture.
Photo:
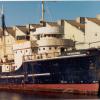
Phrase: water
(23, 96)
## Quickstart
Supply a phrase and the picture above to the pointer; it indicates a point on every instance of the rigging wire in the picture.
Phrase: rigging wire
(48, 11)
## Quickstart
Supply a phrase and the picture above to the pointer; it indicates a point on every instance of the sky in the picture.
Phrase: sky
(29, 12)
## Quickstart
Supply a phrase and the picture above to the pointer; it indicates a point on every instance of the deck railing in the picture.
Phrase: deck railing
(41, 56)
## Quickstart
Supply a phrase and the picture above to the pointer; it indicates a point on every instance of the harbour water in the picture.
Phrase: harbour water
(20, 96)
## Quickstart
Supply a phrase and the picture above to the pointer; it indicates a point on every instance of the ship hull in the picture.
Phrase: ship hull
(66, 74)
(89, 89)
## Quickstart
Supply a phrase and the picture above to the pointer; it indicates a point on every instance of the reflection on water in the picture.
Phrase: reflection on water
(20, 96)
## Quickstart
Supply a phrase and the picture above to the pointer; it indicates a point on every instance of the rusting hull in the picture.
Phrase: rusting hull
(89, 89)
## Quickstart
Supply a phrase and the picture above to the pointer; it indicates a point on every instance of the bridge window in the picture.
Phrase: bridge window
(21, 37)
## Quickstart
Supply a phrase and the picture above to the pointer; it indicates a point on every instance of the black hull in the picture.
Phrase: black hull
(61, 70)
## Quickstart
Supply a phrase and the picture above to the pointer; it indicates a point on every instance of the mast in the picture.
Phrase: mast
(3, 20)
(43, 11)
(3, 29)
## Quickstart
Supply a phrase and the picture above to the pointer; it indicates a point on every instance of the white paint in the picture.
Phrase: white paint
(21, 49)
(8, 67)
(5, 68)
(22, 45)
(29, 75)
(60, 57)
(46, 30)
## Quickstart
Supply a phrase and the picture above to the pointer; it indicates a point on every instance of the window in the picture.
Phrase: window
(55, 35)
(50, 48)
(27, 37)
(32, 50)
(48, 35)
(21, 37)
(82, 20)
(43, 48)
(38, 37)
(26, 50)
(39, 48)
(44, 35)
(55, 47)
(95, 34)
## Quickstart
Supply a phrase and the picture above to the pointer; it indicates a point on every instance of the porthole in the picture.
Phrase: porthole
(49, 48)
(55, 47)
(43, 48)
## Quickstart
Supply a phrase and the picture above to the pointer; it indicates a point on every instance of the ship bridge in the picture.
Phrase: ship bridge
(46, 30)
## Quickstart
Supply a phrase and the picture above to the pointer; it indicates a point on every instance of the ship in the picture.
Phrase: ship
(50, 65)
